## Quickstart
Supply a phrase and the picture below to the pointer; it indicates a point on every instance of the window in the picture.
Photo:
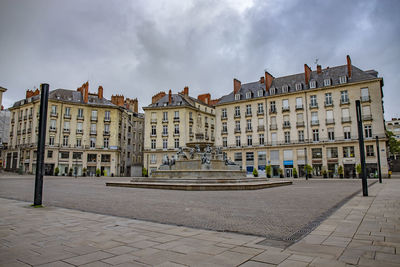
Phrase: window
(345, 115)
(66, 126)
(165, 116)
(301, 135)
(327, 82)
(286, 122)
(238, 156)
(260, 93)
(316, 153)
(105, 158)
(91, 157)
(79, 127)
(237, 111)
(370, 150)
(237, 125)
(67, 111)
(299, 86)
(248, 95)
(313, 101)
(332, 152)
(342, 79)
(106, 128)
(344, 97)
(78, 142)
(224, 114)
(248, 109)
(273, 106)
(237, 96)
(153, 143)
(249, 140)
(328, 99)
(261, 139)
(273, 138)
(107, 115)
(106, 142)
(80, 113)
(261, 122)
(53, 110)
(224, 127)
(329, 116)
(92, 142)
(299, 103)
(313, 84)
(65, 140)
(93, 127)
(287, 137)
(224, 141)
(315, 135)
(64, 154)
(94, 114)
(165, 130)
(285, 88)
(314, 117)
(176, 129)
(53, 124)
(51, 140)
(165, 143)
(260, 108)
(331, 134)
(153, 130)
(249, 125)
(153, 158)
(348, 152)
(249, 156)
(272, 91)
(176, 114)
(49, 154)
(300, 118)
(364, 94)
(285, 104)
(237, 140)
(347, 133)
(176, 142)
(368, 131)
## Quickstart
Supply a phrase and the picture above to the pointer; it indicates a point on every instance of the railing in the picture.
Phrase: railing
(285, 109)
(93, 118)
(238, 131)
(248, 114)
(272, 110)
(260, 112)
(53, 114)
(176, 119)
(93, 132)
(80, 117)
(273, 127)
(237, 115)
(329, 121)
(67, 116)
(249, 130)
(367, 117)
(344, 101)
(366, 98)
(79, 131)
(314, 122)
(300, 124)
(53, 129)
(299, 107)
(286, 125)
(106, 133)
(66, 130)
(190, 120)
(328, 103)
(107, 119)
(260, 128)
(346, 119)
(313, 105)
(165, 121)
(224, 131)
(206, 124)
(153, 121)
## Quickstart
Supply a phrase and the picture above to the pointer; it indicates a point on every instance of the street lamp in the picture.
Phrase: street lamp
(306, 167)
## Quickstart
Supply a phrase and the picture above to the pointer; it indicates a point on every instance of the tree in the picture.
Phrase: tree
(394, 145)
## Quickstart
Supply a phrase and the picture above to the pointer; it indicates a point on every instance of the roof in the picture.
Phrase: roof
(333, 73)
(176, 100)
(3, 89)
(71, 96)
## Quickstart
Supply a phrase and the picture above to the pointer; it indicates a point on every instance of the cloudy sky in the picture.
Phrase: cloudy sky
(138, 48)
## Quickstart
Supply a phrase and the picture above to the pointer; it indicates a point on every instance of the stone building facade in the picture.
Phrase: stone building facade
(84, 131)
(4, 128)
(306, 118)
(173, 121)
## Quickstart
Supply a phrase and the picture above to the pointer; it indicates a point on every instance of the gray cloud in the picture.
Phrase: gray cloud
(138, 48)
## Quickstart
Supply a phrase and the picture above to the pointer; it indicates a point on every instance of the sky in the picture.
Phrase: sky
(139, 48)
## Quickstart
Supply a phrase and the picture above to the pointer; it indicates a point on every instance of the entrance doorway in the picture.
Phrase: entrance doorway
(288, 172)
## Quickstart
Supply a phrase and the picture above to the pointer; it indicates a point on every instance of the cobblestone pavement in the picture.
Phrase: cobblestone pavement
(275, 213)
(363, 232)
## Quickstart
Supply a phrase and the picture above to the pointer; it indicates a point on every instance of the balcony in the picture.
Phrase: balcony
(286, 124)
(212, 126)
(80, 118)
(107, 119)
(299, 107)
(238, 131)
(19, 118)
(248, 114)
(30, 116)
(285, 109)
(176, 134)
(176, 119)
(52, 129)
(67, 116)
(314, 122)
(237, 115)
(365, 98)
(165, 120)
(190, 120)
(106, 133)
(260, 112)
(23, 131)
(12, 120)
(212, 138)
(153, 121)
(313, 105)
(54, 114)
(344, 101)
(93, 132)
(29, 130)
(206, 124)
(273, 127)
(329, 121)
(165, 134)
(79, 131)
(206, 137)
(346, 119)
(272, 110)
(260, 128)
(25, 117)
(249, 130)
(300, 124)
(191, 134)
(65, 130)
(224, 131)
(328, 103)
(367, 117)
(93, 118)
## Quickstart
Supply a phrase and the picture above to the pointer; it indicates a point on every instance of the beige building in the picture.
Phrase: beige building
(85, 131)
(4, 128)
(173, 121)
(394, 127)
(305, 118)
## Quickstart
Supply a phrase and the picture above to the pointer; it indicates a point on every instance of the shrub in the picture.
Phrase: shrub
(280, 173)
(255, 172)
(144, 172)
(70, 172)
(98, 172)
(268, 171)
(84, 170)
(340, 171)
(56, 171)
(295, 172)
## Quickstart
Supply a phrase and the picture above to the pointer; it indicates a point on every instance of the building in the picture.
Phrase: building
(306, 118)
(394, 127)
(84, 133)
(4, 127)
(176, 120)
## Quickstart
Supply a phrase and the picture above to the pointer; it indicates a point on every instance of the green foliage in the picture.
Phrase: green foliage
(70, 171)
(394, 145)
(358, 168)
(280, 171)
(268, 169)
(308, 169)
(144, 172)
(324, 172)
(98, 172)
(340, 169)
(56, 171)
(294, 171)
(255, 172)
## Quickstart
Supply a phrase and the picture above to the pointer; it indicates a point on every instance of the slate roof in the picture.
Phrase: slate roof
(177, 100)
(329, 73)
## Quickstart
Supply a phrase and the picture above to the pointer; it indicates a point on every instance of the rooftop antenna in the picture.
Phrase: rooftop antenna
(316, 61)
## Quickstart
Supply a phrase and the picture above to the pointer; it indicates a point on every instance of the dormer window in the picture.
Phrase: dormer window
(272, 91)
(237, 97)
(299, 86)
(248, 95)
(327, 82)
(285, 88)
(313, 84)
(260, 93)
(342, 79)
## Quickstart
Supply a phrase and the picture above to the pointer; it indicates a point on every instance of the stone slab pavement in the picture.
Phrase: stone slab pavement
(364, 232)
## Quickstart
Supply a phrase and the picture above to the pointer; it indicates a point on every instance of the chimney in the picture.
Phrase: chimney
(100, 92)
(268, 81)
(29, 93)
(236, 85)
(170, 97)
(86, 92)
(186, 90)
(262, 79)
(205, 98)
(135, 105)
(157, 97)
(118, 100)
(307, 73)
(348, 66)
(319, 69)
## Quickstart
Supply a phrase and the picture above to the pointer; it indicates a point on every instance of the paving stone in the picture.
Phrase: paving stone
(170, 264)
(297, 257)
(256, 264)
(394, 258)
(96, 264)
(271, 257)
(291, 263)
(56, 264)
(120, 259)
(87, 258)
(121, 250)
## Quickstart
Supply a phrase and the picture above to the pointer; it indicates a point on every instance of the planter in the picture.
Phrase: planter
(268, 175)
(281, 176)
(341, 176)
(295, 176)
